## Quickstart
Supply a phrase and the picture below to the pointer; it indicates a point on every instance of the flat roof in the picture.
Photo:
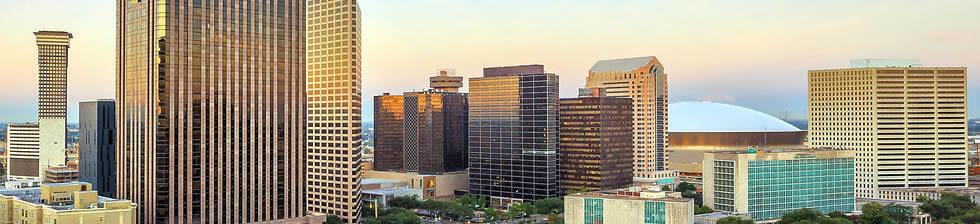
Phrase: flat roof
(612, 194)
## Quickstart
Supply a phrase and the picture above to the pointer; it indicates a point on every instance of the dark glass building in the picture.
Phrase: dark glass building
(421, 132)
(513, 134)
(96, 145)
(211, 105)
(596, 142)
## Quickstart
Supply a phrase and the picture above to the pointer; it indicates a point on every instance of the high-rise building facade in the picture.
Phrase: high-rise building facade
(23, 152)
(421, 132)
(907, 124)
(389, 132)
(767, 184)
(210, 110)
(513, 134)
(52, 65)
(595, 142)
(333, 79)
(642, 79)
(96, 145)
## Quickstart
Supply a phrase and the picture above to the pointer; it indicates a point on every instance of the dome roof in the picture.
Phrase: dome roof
(719, 117)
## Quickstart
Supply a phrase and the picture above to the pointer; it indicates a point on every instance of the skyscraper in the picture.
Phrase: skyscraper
(389, 132)
(210, 110)
(52, 65)
(513, 133)
(333, 69)
(421, 132)
(595, 141)
(643, 79)
(23, 148)
(907, 124)
(96, 145)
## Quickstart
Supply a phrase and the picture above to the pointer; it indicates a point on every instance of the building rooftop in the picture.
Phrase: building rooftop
(621, 65)
(378, 181)
(952, 190)
(635, 193)
(34, 195)
(719, 117)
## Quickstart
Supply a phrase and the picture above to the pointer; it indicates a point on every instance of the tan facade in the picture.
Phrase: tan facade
(64, 203)
(52, 64)
(907, 124)
(333, 85)
(643, 79)
(639, 208)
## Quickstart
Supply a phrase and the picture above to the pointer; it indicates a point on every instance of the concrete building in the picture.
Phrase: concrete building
(97, 145)
(333, 81)
(61, 175)
(63, 203)
(211, 109)
(52, 64)
(907, 124)
(633, 205)
(379, 191)
(595, 141)
(421, 132)
(437, 187)
(446, 81)
(767, 184)
(23, 151)
(644, 80)
(700, 127)
(513, 134)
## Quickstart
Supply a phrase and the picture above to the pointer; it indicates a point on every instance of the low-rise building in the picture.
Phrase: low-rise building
(911, 194)
(378, 191)
(435, 186)
(916, 215)
(60, 174)
(765, 184)
(63, 203)
(633, 205)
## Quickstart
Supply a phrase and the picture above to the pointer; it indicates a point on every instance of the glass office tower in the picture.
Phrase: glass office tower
(513, 134)
(210, 110)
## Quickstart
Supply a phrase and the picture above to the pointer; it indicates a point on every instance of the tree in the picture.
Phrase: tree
(555, 219)
(947, 207)
(900, 213)
(472, 201)
(576, 191)
(491, 214)
(457, 211)
(875, 213)
(837, 214)
(549, 206)
(333, 219)
(665, 188)
(806, 215)
(521, 209)
(702, 210)
(395, 216)
(408, 201)
(734, 220)
(685, 187)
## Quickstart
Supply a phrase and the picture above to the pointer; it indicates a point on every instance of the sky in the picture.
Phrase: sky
(747, 53)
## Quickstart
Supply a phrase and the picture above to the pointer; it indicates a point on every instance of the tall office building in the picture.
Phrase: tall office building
(333, 69)
(23, 152)
(446, 81)
(210, 110)
(907, 123)
(595, 141)
(513, 134)
(421, 132)
(52, 65)
(642, 79)
(389, 132)
(96, 145)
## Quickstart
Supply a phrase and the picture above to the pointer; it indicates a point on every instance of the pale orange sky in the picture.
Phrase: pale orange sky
(752, 54)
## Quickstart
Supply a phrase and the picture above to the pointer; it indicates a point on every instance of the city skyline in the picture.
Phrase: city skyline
(724, 53)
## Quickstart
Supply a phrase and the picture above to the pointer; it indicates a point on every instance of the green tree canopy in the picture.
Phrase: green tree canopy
(333, 219)
(949, 206)
(491, 213)
(685, 187)
(409, 202)
(806, 215)
(875, 213)
(734, 220)
(549, 206)
(702, 210)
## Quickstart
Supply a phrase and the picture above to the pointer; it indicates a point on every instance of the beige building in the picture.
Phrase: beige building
(438, 187)
(643, 79)
(907, 124)
(63, 203)
(446, 81)
(23, 152)
(333, 81)
(633, 205)
(52, 63)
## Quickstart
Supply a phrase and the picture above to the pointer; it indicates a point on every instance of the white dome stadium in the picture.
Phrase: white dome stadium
(719, 117)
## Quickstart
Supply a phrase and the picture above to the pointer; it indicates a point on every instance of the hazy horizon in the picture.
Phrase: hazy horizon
(721, 51)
